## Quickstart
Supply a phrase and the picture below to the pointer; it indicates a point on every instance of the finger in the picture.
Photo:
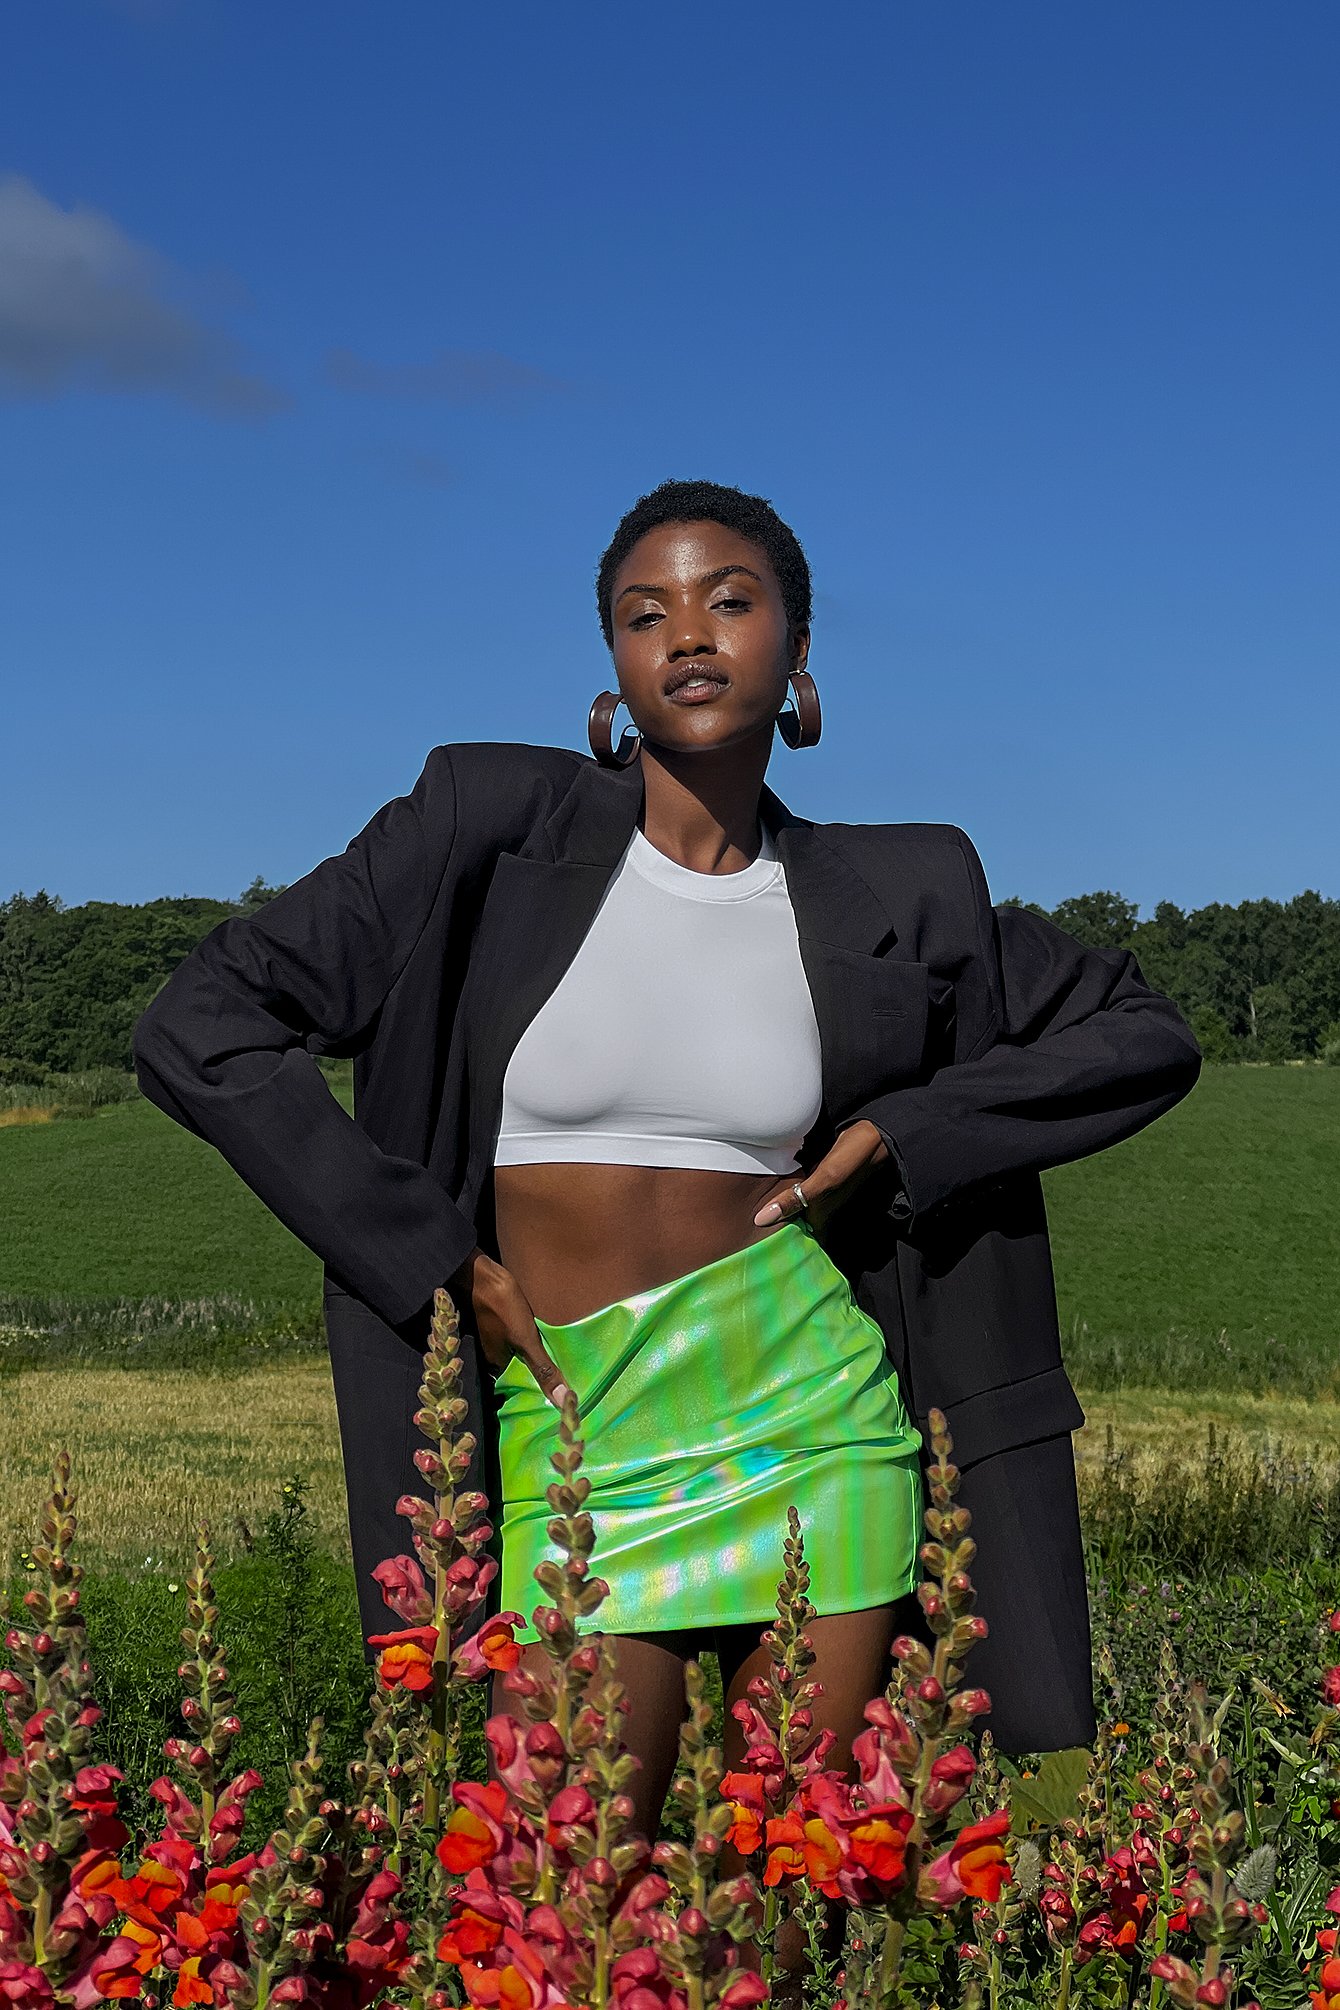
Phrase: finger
(544, 1370)
(787, 1202)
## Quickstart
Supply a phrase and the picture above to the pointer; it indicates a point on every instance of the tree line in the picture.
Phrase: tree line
(1258, 982)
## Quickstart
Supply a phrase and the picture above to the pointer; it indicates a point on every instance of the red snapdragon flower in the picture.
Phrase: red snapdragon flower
(407, 1657)
(24, 1987)
(493, 1648)
(405, 1589)
(744, 1791)
(975, 1864)
(92, 1794)
(475, 1830)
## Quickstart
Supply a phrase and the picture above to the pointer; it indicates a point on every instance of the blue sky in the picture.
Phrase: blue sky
(334, 339)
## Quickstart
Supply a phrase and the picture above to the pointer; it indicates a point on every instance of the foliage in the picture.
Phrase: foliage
(1141, 1872)
(1265, 974)
(73, 980)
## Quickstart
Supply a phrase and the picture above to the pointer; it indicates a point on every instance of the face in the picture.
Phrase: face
(700, 637)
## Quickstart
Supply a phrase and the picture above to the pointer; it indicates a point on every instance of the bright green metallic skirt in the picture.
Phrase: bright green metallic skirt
(709, 1406)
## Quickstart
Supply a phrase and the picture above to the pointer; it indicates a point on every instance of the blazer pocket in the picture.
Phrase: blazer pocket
(878, 1024)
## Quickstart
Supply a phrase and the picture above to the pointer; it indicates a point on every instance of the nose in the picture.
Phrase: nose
(690, 632)
(690, 635)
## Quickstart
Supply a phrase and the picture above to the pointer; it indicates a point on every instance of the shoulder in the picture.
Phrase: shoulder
(942, 855)
(498, 790)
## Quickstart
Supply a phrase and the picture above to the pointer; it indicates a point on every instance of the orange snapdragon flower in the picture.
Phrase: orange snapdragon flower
(406, 1661)
(744, 1791)
(474, 1831)
(498, 1645)
(879, 1843)
(191, 1985)
(1327, 1995)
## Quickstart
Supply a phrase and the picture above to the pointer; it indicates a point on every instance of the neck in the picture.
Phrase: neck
(702, 808)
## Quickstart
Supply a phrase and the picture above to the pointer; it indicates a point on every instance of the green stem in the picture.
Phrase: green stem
(769, 1931)
(890, 1960)
(41, 1922)
(1063, 1995)
(437, 1721)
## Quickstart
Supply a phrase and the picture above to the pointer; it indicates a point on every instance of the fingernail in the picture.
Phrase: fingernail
(768, 1213)
(558, 1395)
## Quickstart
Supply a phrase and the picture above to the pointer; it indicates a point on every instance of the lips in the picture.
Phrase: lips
(694, 685)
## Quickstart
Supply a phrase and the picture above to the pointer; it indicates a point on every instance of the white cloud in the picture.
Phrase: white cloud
(85, 307)
(460, 376)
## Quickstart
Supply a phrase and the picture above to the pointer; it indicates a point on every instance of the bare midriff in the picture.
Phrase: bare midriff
(579, 1237)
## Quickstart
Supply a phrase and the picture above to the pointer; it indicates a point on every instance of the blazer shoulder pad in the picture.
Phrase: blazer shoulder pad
(505, 787)
(919, 847)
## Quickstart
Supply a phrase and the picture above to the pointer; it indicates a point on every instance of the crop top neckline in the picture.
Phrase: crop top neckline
(681, 1034)
(654, 865)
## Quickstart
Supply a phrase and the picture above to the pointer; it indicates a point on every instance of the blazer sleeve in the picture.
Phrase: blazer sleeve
(221, 1049)
(1079, 1052)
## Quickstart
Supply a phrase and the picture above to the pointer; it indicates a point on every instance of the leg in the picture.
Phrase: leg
(852, 1665)
(651, 1669)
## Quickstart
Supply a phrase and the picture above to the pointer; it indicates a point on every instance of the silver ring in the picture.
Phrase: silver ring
(796, 1190)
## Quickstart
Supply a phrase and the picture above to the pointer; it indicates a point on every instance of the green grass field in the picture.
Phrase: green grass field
(1203, 1252)
(1196, 1264)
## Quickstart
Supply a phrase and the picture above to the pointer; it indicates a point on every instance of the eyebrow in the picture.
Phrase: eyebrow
(708, 579)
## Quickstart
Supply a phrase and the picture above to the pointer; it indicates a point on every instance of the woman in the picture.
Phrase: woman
(732, 1120)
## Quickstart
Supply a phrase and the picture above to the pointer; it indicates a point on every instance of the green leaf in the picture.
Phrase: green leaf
(1052, 1795)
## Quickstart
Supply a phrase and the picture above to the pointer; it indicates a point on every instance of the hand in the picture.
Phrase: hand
(504, 1321)
(848, 1164)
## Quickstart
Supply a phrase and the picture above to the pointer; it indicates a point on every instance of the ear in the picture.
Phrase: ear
(800, 649)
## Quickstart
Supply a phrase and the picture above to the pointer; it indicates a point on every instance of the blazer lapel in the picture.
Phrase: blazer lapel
(541, 902)
(871, 1006)
(871, 1003)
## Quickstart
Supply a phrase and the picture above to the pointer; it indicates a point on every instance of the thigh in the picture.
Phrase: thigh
(651, 1668)
(852, 1665)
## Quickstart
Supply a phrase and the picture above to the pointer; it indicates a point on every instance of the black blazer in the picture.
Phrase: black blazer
(985, 1044)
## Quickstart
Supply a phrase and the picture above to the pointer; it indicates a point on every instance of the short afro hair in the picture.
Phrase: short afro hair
(710, 502)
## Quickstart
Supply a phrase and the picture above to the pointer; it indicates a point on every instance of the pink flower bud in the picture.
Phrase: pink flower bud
(930, 1691)
(972, 1702)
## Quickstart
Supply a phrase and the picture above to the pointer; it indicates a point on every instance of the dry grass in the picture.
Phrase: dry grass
(1170, 1427)
(157, 1451)
(154, 1454)
(27, 1113)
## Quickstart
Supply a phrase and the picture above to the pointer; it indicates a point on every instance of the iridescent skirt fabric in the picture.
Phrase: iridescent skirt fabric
(710, 1405)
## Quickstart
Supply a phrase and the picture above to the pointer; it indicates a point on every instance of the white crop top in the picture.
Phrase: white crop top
(681, 1034)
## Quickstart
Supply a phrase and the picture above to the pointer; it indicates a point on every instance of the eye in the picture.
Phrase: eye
(734, 601)
(641, 620)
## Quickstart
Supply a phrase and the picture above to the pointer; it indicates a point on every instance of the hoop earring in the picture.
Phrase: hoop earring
(598, 723)
(801, 722)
